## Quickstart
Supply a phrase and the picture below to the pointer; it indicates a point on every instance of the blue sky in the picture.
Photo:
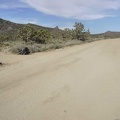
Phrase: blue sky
(97, 15)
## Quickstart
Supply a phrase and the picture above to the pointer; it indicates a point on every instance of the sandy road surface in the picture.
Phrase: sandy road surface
(76, 83)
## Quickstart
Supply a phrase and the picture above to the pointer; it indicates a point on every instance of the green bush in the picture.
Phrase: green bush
(28, 33)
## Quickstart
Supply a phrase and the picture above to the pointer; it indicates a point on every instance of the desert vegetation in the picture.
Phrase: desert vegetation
(33, 38)
(19, 38)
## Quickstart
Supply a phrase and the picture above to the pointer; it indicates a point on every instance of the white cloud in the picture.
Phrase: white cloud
(77, 9)
(13, 5)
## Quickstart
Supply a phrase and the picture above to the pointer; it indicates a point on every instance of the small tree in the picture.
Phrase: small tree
(87, 35)
(67, 33)
(78, 31)
(26, 33)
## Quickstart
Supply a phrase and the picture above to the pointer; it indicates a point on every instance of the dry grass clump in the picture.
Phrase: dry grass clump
(17, 46)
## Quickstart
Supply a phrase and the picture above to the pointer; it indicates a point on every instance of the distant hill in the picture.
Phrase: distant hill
(108, 34)
(8, 26)
(112, 34)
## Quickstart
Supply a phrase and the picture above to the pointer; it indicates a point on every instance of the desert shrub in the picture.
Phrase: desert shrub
(5, 37)
(17, 48)
(72, 42)
(58, 45)
(33, 48)
(28, 33)
(41, 36)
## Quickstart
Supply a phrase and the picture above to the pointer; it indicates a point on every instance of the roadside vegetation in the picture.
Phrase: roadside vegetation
(29, 38)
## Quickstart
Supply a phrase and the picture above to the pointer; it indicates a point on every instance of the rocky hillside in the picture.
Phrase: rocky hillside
(8, 26)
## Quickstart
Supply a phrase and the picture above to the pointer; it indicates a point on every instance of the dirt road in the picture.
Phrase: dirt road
(75, 83)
